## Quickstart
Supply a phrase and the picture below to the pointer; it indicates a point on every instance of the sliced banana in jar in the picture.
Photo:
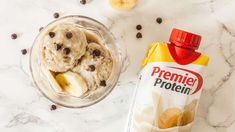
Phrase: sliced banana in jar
(123, 5)
(72, 83)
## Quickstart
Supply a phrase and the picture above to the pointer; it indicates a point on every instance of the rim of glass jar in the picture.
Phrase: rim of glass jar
(120, 58)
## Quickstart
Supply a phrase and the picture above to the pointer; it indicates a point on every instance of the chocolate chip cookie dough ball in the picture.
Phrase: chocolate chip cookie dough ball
(62, 46)
(95, 66)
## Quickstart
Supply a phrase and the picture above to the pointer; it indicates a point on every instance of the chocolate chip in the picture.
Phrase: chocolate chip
(58, 46)
(91, 68)
(40, 29)
(159, 20)
(96, 53)
(66, 51)
(66, 59)
(79, 61)
(139, 35)
(24, 51)
(56, 15)
(52, 34)
(53, 107)
(69, 35)
(14, 36)
(139, 27)
(103, 83)
(83, 2)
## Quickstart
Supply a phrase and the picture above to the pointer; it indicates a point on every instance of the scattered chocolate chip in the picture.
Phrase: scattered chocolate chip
(14, 36)
(83, 2)
(53, 107)
(58, 46)
(52, 34)
(138, 27)
(24, 51)
(91, 68)
(139, 35)
(69, 35)
(40, 29)
(66, 51)
(103, 83)
(56, 15)
(159, 20)
(96, 53)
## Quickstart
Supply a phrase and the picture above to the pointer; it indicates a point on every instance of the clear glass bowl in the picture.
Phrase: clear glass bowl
(105, 37)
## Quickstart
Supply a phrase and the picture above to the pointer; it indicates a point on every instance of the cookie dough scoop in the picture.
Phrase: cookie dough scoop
(96, 66)
(62, 46)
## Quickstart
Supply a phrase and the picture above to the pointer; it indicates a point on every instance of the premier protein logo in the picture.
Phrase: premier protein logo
(181, 83)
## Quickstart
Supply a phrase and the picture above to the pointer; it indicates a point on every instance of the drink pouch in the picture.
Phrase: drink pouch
(170, 85)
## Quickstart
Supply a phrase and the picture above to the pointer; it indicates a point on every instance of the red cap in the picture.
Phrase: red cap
(185, 39)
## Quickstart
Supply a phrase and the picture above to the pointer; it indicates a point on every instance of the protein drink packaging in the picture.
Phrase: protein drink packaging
(170, 85)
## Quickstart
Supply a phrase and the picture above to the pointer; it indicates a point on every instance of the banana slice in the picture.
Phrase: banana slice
(169, 118)
(51, 79)
(72, 83)
(189, 113)
(123, 5)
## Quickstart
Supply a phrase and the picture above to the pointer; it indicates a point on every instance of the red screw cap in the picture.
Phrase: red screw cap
(185, 39)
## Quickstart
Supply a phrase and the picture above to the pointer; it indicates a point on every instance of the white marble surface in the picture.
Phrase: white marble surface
(23, 108)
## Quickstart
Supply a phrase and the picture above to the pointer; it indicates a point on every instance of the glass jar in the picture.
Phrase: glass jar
(105, 37)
